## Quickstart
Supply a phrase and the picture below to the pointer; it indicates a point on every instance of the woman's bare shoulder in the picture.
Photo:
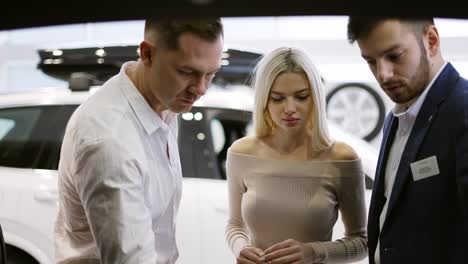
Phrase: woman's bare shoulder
(246, 145)
(343, 151)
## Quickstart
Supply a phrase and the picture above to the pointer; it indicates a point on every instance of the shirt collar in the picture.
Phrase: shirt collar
(413, 110)
(148, 118)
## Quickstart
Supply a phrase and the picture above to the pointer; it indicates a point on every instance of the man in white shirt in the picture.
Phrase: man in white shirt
(419, 205)
(120, 176)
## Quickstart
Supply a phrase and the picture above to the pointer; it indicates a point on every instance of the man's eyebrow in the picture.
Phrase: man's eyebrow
(390, 49)
(189, 68)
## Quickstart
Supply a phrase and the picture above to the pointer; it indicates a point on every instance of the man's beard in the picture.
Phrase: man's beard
(416, 84)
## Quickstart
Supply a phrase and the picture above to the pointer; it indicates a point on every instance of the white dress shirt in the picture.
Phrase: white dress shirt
(406, 119)
(120, 180)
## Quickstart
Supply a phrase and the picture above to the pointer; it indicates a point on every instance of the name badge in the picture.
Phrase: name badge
(425, 168)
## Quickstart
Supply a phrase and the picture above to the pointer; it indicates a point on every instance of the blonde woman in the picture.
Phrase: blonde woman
(289, 180)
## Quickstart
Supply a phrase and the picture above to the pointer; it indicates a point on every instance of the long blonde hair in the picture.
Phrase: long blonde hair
(293, 60)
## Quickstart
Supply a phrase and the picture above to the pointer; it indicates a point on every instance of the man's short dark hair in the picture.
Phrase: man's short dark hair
(168, 30)
(361, 26)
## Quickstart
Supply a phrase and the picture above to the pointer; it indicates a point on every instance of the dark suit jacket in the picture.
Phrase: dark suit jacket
(2, 248)
(427, 220)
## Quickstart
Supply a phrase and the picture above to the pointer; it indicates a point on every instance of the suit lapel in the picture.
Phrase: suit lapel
(439, 91)
(378, 199)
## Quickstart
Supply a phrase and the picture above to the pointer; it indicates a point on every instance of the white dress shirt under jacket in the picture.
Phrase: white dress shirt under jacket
(406, 119)
(120, 180)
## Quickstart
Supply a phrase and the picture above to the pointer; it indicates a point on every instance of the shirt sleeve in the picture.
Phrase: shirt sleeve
(110, 186)
(236, 232)
(352, 206)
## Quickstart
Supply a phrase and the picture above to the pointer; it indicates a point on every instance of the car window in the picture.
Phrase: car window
(226, 128)
(13, 144)
(205, 134)
(32, 136)
(5, 126)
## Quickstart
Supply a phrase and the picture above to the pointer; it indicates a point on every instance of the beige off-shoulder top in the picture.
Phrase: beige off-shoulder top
(274, 200)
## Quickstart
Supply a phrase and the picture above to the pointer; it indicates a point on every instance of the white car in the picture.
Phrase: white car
(31, 130)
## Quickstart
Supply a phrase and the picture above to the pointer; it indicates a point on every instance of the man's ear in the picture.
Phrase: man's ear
(431, 36)
(146, 52)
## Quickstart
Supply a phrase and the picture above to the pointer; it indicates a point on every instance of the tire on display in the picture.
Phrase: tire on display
(357, 108)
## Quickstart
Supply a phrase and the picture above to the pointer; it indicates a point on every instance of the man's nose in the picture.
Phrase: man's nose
(384, 71)
(199, 86)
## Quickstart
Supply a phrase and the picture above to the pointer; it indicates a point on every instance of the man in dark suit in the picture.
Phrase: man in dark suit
(419, 206)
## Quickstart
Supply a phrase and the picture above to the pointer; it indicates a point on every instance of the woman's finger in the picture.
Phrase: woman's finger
(252, 254)
(277, 246)
(243, 260)
(281, 253)
(287, 259)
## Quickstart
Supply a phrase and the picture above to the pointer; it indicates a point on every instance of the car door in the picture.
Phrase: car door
(30, 140)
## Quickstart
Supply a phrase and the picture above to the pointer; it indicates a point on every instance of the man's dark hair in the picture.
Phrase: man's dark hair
(168, 30)
(361, 26)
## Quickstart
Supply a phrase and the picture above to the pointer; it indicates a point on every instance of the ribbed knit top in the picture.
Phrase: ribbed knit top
(274, 200)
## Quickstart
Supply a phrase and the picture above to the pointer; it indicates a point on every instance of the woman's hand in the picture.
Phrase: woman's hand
(250, 255)
(288, 252)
